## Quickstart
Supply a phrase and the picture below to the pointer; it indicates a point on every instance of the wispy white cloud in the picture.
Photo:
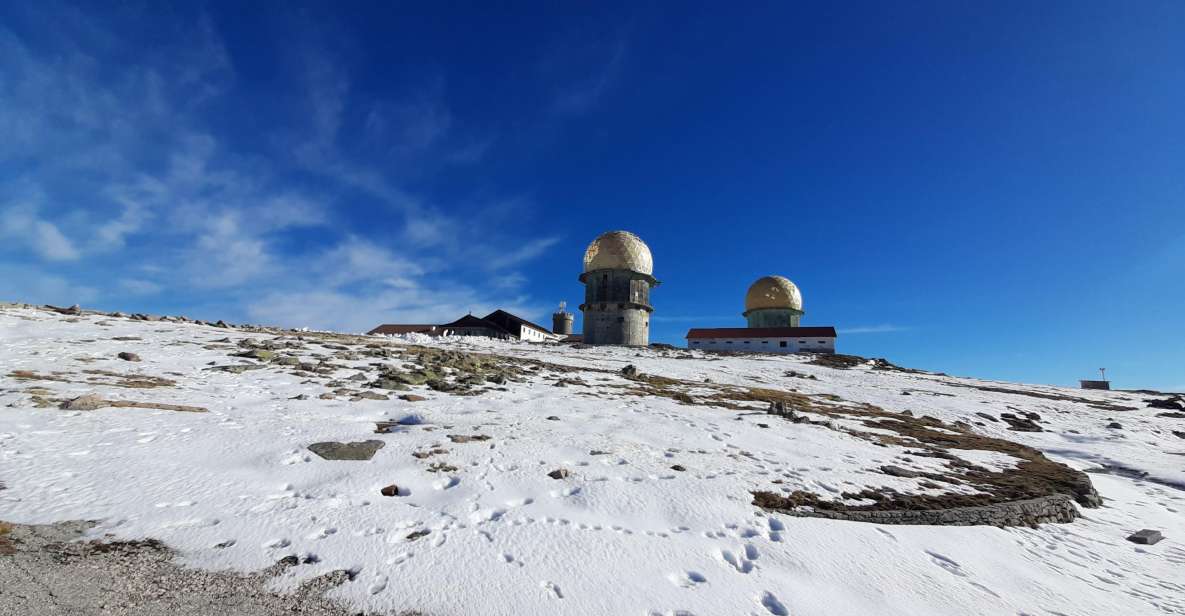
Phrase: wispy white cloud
(124, 163)
(872, 329)
(21, 225)
(597, 64)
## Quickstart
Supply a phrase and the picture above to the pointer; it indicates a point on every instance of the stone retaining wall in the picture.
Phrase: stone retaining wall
(1057, 508)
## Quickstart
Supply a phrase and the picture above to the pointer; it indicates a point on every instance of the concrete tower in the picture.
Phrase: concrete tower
(561, 321)
(773, 301)
(617, 280)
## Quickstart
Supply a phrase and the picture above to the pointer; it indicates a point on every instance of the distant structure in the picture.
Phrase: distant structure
(394, 330)
(561, 321)
(1100, 384)
(773, 311)
(497, 324)
(618, 276)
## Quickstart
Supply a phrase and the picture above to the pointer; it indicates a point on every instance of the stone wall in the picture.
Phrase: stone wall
(1058, 508)
(616, 307)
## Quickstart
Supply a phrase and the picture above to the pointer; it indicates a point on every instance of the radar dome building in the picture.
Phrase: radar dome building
(773, 301)
(618, 276)
(773, 310)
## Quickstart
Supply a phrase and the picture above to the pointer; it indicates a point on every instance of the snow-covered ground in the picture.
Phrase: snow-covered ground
(624, 533)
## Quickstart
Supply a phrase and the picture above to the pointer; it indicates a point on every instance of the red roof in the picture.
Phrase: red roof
(763, 332)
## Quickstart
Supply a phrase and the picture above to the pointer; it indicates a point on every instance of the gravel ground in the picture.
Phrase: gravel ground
(47, 570)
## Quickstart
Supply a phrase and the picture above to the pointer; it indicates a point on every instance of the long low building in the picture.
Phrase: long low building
(764, 339)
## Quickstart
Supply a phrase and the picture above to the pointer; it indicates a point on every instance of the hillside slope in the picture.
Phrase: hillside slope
(510, 478)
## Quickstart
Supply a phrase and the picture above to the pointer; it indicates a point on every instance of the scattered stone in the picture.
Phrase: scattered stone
(1176, 403)
(287, 360)
(126, 356)
(370, 395)
(1146, 537)
(391, 490)
(466, 438)
(678, 467)
(598, 452)
(987, 416)
(1115, 425)
(412, 398)
(412, 419)
(1178, 433)
(300, 397)
(897, 471)
(416, 534)
(553, 418)
(74, 310)
(290, 560)
(390, 384)
(237, 368)
(761, 425)
(327, 396)
(260, 354)
(559, 473)
(1172, 415)
(1020, 424)
(362, 450)
(89, 402)
(630, 371)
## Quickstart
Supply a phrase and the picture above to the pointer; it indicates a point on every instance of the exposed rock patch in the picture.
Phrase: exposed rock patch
(362, 450)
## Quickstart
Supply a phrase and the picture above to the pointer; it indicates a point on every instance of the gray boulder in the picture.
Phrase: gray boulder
(362, 450)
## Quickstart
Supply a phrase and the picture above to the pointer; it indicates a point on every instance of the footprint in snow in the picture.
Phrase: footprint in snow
(552, 588)
(946, 563)
(740, 563)
(378, 585)
(687, 579)
(772, 605)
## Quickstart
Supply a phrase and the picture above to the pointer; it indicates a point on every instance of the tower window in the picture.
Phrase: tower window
(782, 343)
(621, 319)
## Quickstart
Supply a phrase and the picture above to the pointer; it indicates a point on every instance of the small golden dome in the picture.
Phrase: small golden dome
(618, 250)
(773, 292)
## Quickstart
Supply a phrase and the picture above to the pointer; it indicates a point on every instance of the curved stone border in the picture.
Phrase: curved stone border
(1056, 509)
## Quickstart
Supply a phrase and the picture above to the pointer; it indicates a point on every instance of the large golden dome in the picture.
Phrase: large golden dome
(618, 250)
(773, 292)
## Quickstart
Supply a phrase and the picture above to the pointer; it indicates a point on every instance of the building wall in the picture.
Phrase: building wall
(627, 326)
(773, 317)
(764, 345)
(616, 308)
(531, 334)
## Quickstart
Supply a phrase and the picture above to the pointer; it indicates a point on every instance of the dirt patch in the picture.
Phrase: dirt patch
(47, 570)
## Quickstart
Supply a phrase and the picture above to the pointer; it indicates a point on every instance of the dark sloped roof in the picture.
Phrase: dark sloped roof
(503, 318)
(472, 321)
(763, 332)
(394, 328)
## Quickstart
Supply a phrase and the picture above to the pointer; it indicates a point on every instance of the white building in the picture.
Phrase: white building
(764, 339)
(773, 308)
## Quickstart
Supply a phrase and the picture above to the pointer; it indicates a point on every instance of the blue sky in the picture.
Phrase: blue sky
(989, 189)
